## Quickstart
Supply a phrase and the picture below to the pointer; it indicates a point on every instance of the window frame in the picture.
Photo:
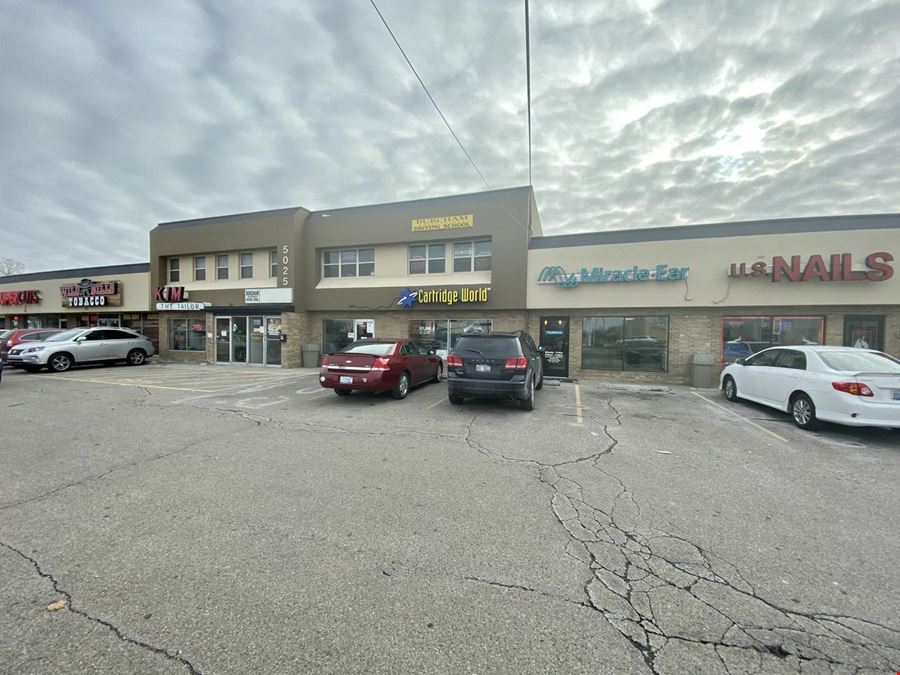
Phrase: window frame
(242, 266)
(339, 265)
(273, 263)
(428, 259)
(198, 269)
(472, 256)
(174, 270)
(219, 267)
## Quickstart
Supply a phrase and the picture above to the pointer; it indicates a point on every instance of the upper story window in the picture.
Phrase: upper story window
(200, 268)
(469, 256)
(222, 266)
(273, 263)
(353, 262)
(427, 258)
(174, 270)
(246, 265)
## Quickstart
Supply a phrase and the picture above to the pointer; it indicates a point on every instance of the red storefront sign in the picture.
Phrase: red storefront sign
(20, 298)
(169, 293)
(833, 267)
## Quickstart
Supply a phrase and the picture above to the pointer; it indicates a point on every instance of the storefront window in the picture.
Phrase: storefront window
(743, 336)
(865, 332)
(337, 334)
(187, 335)
(442, 334)
(625, 343)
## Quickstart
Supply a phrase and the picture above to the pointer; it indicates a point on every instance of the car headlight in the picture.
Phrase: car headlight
(31, 350)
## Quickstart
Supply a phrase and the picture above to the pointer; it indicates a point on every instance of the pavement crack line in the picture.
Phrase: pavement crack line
(526, 589)
(115, 630)
(659, 589)
(115, 469)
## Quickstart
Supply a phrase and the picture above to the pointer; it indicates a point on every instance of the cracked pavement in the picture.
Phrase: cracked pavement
(270, 528)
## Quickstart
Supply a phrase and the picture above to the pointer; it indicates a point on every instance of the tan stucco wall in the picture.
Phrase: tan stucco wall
(708, 283)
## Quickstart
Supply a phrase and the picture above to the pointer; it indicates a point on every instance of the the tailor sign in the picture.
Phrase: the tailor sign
(832, 267)
(87, 293)
(555, 274)
(20, 298)
(442, 296)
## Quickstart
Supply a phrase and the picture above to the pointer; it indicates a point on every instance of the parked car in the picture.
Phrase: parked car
(83, 345)
(495, 365)
(846, 385)
(738, 349)
(11, 338)
(380, 365)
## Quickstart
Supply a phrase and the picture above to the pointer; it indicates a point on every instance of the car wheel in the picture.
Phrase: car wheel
(342, 392)
(438, 373)
(730, 388)
(402, 388)
(527, 403)
(136, 357)
(455, 399)
(60, 363)
(803, 410)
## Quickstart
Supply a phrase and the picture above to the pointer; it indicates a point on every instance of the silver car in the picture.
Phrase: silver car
(83, 345)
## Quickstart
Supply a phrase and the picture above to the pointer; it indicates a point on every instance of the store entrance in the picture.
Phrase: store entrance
(555, 341)
(254, 340)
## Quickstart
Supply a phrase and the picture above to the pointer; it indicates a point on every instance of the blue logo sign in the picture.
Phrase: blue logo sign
(555, 274)
(407, 298)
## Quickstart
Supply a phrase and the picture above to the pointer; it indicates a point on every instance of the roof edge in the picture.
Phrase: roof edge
(131, 268)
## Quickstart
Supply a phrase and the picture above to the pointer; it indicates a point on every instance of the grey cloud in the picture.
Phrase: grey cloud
(118, 116)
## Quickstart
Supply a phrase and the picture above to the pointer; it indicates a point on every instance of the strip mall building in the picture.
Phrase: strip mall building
(259, 288)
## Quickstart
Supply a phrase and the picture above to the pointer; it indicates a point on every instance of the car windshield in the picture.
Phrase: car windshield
(65, 335)
(370, 347)
(487, 346)
(860, 362)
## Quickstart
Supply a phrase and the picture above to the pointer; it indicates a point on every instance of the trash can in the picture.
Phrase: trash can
(310, 353)
(703, 367)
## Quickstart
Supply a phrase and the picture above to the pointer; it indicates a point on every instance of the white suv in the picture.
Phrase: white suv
(83, 345)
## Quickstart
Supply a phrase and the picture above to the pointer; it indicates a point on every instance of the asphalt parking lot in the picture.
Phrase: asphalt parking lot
(210, 519)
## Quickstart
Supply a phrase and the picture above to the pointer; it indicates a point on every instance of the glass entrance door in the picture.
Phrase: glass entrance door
(555, 341)
(257, 339)
(273, 340)
(239, 339)
(865, 332)
(223, 339)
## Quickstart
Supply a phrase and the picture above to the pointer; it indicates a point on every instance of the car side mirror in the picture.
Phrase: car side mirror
(81, 338)
(431, 352)
(741, 362)
(541, 349)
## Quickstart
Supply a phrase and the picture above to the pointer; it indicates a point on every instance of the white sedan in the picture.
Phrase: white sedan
(857, 387)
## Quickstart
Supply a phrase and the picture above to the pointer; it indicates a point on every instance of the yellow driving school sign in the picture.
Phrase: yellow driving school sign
(443, 223)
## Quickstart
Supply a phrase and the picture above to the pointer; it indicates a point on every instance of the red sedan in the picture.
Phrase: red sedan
(380, 365)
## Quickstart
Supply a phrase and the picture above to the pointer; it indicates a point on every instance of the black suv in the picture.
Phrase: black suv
(495, 365)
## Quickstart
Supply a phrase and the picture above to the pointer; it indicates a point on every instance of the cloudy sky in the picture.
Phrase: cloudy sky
(115, 116)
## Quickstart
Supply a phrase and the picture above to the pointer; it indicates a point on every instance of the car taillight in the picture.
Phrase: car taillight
(381, 363)
(517, 363)
(326, 360)
(453, 361)
(855, 388)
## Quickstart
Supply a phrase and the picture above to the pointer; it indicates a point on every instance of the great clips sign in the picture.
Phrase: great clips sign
(833, 267)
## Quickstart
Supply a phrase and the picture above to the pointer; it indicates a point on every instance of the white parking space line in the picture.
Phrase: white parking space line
(750, 422)
(579, 418)
(436, 403)
(133, 384)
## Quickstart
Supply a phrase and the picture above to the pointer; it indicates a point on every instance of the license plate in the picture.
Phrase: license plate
(897, 395)
(482, 368)
(346, 379)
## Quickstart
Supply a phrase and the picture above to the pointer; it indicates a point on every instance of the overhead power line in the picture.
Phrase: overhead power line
(447, 123)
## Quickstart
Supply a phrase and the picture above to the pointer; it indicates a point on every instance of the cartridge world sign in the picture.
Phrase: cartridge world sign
(555, 274)
(88, 293)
